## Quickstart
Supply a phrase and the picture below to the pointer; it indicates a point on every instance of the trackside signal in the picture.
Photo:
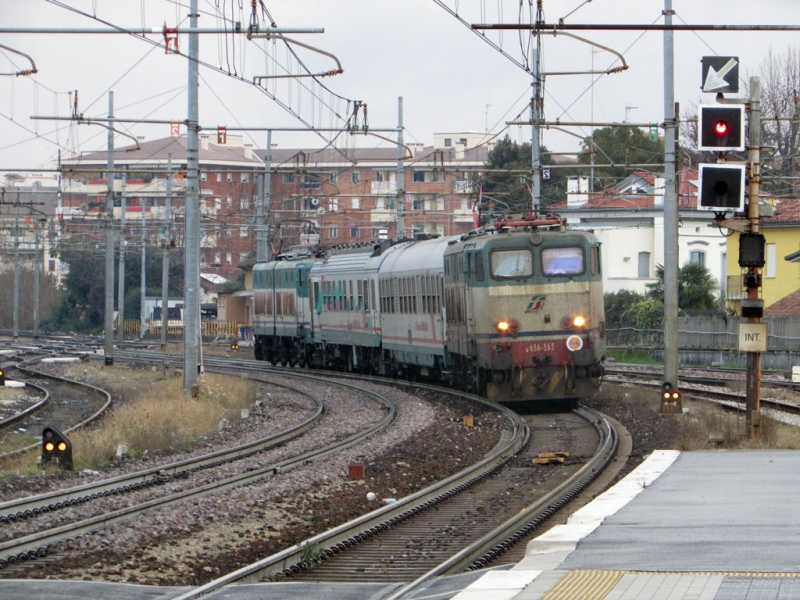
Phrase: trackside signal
(670, 399)
(721, 127)
(56, 448)
(2, 377)
(721, 187)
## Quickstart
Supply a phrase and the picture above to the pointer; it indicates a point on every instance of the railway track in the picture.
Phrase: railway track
(368, 544)
(41, 543)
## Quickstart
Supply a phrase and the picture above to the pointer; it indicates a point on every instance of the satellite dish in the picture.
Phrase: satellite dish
(314, 202)
(84, 207)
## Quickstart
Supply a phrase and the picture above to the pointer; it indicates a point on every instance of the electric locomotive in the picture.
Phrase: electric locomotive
(524, 311)
(513, 312)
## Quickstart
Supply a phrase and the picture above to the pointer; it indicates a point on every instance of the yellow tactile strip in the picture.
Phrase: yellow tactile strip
(596, 584)
(584, 585)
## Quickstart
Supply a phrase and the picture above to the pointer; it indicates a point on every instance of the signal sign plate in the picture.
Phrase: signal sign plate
(720, 74)
(752, 337)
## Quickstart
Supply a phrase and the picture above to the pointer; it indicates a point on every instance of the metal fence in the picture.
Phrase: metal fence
(709, 333)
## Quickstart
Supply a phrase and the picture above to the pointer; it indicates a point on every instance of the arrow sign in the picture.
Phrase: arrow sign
(721, 74)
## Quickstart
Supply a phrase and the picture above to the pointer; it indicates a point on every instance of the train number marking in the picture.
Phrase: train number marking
(540, 347)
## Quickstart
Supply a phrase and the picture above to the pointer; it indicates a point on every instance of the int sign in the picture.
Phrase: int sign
(752, 337)
(720, 74)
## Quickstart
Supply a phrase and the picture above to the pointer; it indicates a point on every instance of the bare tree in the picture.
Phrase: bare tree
(780, 97)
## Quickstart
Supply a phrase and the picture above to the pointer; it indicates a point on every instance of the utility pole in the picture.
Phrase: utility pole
(191, 318)
(123, 210)
(753, 278)
(536, 113)
(401, 224)
(670, 219)
(16, 269)
(143, 283)
(109, 221)
(36, 279)
(165, 255)
(263, 205)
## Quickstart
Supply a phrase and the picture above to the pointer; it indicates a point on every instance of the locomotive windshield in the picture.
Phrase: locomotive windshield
(512, 263)
(562, 261)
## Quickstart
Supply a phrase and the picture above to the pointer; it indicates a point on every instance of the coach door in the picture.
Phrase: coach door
(471, 260)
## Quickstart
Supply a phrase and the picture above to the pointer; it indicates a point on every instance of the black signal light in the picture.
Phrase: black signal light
(669, 394)
(56, 448)
(721, 187)
(721, 127)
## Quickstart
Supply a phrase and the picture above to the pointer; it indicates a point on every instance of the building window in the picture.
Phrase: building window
(217, 257)
(203, 176)
(333, 204)
(354, 232)
(463, 141)
(644, 264)
(698, 257)
(245, 177)
(229, 258)
(244, 203)
(419, 176)
(355, 176)
(334, 177)
(243, 231)
(229, 177)
(333, 232)
(772, 255)
(288, 178)
(448, 142)
(378, 175)
(356, 203)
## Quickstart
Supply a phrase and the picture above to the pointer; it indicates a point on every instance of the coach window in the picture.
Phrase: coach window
(317, 298)
(511, 263)
(562, 261)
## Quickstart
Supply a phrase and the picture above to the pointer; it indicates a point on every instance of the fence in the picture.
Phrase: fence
(208, 328)
(709, 333)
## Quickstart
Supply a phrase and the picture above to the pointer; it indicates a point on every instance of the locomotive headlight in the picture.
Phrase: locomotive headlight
(579, 321)
(508, 326)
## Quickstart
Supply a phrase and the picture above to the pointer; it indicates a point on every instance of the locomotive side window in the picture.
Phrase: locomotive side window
(594, 260)
(562, 261)
(511, 263)
(479, 273)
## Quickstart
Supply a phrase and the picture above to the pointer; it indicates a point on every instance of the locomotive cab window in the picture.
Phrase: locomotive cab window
(562, 261)
(511, 263)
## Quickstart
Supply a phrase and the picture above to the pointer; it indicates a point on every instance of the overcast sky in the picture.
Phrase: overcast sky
(450, 79)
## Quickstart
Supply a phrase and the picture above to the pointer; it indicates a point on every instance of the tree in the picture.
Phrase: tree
(83, 306)
(620, 146)
(504, 192)
(780, 97)
(696, 287)
(49, 297)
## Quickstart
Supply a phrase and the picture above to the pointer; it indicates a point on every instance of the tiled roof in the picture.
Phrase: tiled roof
(157, 150)
(786, 211)
(788, 306)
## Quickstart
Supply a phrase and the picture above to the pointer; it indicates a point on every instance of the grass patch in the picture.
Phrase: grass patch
(153, 416)
(706, 426)
(632, 356)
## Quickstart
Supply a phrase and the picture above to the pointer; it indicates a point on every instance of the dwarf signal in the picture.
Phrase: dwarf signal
(56, 448)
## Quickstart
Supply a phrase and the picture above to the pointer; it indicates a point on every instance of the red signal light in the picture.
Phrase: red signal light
(721, 127)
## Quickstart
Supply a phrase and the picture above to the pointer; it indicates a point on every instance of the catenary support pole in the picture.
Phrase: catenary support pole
(16, 270)
(109, 223)
(123, 243)
(191, 316)
(36, 259)
(143, 281)
(671, 265)
(401, 194)
(165, 255)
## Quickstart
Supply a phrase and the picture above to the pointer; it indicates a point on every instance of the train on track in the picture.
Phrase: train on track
(512, 311)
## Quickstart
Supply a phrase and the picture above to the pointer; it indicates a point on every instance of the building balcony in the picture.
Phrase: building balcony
(384, 188)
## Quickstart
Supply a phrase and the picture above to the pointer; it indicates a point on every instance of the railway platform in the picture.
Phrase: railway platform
(683, 526)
